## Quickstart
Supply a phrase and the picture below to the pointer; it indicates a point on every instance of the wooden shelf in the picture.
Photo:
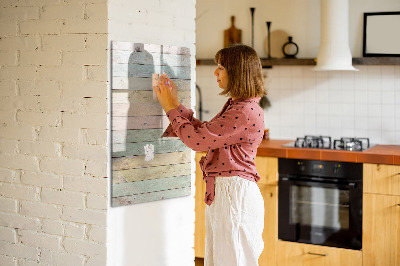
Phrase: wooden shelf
(376, 61)
(312, 61)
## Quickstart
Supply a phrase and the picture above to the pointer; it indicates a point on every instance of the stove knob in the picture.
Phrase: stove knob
(336, 169)
(301, 166)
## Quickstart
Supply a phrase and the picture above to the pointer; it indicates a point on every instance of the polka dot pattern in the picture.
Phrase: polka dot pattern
(231, 139)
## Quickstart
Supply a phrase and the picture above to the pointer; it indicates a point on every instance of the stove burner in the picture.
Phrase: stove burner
(351, 144)
(324, 142)
(308, 141)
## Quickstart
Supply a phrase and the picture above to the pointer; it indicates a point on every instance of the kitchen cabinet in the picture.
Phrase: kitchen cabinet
(381, 215)
(298, 254)
(270, 233)
(200, 207)
(267, 168)
(381, 179)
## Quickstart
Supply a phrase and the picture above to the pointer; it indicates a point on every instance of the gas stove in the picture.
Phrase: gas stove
(325, 142)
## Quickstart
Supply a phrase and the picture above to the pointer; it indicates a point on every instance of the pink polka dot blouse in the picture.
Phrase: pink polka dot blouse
(231, 139)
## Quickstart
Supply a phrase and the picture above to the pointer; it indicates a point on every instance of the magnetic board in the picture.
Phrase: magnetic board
(146, 167)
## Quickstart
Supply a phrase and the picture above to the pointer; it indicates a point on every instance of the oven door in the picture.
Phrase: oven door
(320, 212)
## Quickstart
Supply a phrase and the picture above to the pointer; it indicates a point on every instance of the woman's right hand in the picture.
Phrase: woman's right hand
(174, 89)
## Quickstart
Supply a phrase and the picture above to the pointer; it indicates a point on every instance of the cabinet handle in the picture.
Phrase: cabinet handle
(398, 204)
(318, 254)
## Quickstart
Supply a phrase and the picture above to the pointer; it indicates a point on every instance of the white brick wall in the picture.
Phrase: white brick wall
(53, 111)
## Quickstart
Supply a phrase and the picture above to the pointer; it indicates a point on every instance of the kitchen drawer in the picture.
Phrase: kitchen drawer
(298, 254)
(381, 179)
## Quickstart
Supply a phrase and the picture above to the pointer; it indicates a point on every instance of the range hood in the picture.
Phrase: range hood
(334, 51)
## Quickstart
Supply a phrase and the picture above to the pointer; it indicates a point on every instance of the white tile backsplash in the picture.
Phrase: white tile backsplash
(364, 103)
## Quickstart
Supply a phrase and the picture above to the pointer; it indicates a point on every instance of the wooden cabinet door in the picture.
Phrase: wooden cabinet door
(297, 254)
(381, 179)
(267, 168)
(200, 207)
(270, 233)
(381, 230)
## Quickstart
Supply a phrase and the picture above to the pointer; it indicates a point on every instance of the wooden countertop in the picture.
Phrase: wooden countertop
(379, 154)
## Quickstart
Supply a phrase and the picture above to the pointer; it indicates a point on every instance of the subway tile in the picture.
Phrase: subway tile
(397, 110)
(361, 124)
(322, 83)
(334, 76)
(322, 74)
(388, 124)
(310, 108)
(375, 136)
(335, 122)
(286, 132)
(297, 83)
(322, 121)
(361, 97)
(298, 120)
(322, 109)
(285, 72)
(387, 71)
(374, 97)
(334, 109)
(397, 123)
(347, 109)
(374, 83)
(397, 133)
(388, 84)
(348, 96)
(309, 72)
(347, 122)
(335, 95)
(322, 95)
(374, 110)
(374, 70)
(310, 95)
(388, 97)
(348, 132)
(388, 110)
(388, 137)
(361, 110)
(284, 83)
(374, 123)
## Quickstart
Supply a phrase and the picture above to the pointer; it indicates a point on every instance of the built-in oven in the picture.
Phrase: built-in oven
(320, 202)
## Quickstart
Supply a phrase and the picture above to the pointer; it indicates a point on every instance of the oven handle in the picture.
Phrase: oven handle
(297, 181)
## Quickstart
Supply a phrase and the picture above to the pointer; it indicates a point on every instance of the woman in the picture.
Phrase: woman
(235, 207)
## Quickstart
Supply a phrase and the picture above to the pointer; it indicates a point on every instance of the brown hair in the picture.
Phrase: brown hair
(245, 78)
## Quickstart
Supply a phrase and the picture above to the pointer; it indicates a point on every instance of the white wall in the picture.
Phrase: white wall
(338, 104)
(299, 18)
(161, 232)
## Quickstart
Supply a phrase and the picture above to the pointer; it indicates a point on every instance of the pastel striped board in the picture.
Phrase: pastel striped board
(137, 121)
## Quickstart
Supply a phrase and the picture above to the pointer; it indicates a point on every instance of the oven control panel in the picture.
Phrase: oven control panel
(331, 169)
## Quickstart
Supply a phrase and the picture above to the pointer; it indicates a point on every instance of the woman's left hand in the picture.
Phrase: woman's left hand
(163, 91)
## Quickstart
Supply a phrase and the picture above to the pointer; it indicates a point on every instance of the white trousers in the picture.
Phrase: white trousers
(234, 223)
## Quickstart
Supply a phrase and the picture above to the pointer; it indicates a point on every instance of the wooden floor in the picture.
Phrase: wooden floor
(199, 262)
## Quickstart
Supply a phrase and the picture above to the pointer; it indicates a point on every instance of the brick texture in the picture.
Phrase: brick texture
(53, 120)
